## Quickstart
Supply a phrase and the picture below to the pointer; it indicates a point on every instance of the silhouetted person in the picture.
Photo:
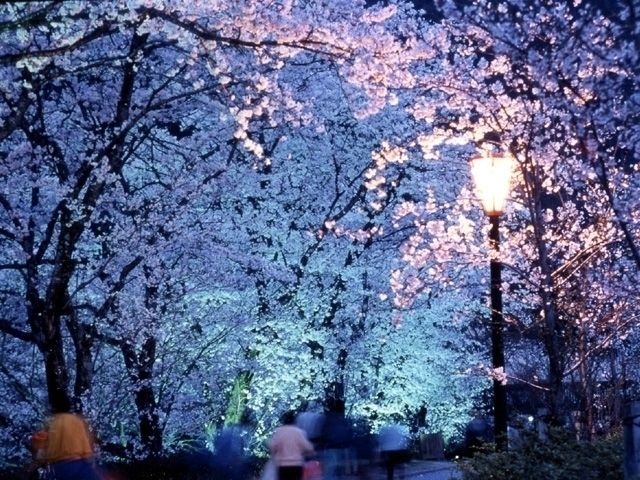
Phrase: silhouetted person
(336, 441)
(311, 421)
(394, 448)
(288, 447)
(363, 446)
(478, 431)
(229, 453)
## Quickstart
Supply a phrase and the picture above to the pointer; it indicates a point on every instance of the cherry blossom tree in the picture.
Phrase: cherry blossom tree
(196, 196)
(550, 82)
(119, 121)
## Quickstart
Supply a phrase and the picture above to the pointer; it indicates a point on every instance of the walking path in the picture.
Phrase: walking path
(419, 470)
(432, 470)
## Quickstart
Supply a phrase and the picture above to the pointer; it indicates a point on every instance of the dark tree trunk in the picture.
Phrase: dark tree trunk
(552, 345)
(55, 366)
(552, 332)
(140, 368)
(334, 393)
(83, 344)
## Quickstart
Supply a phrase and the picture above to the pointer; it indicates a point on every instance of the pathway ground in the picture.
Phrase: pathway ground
(420, 470)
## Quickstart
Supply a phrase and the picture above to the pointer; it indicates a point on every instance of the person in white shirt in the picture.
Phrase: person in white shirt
(289, 447)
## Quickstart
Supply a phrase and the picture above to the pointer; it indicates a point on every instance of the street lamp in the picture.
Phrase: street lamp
(492, 174)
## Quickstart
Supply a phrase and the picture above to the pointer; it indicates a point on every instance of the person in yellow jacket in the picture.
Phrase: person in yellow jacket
(69, 450)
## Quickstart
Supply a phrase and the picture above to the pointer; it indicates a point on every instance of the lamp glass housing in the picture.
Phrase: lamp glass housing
(492, 176)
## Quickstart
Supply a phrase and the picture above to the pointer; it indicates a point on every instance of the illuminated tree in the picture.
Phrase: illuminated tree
(205, 192)
(119, 122)
(552, 83)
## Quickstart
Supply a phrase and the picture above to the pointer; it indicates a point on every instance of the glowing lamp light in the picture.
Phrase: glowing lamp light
(492, 175)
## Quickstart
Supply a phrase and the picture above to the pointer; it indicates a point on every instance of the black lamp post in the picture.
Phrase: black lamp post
(492, 174)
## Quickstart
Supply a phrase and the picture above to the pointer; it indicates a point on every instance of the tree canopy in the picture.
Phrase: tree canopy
(216, 207)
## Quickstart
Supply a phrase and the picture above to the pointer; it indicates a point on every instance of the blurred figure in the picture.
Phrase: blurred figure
(289, 446)
(69, 450)
(37, 446)
(364, 447)
(478, 432)
(336, 441)
(229, 453)
(394, 448)
(311, 421)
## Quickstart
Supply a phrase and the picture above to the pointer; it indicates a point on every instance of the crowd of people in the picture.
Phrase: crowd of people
(308, 445)
(331, 446)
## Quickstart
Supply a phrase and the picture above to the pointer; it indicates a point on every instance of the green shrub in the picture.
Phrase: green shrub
(559, 457)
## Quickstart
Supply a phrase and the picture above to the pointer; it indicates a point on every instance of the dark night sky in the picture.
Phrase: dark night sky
(426, 5)
(429, 7)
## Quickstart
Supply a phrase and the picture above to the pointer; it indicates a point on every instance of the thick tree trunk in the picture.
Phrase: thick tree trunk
(46, 327)
(55, 366)
(554, 353)
(44, 314)
(335, 401)
(57, 304)
(83, 344)
(149, 422)
(140, 368)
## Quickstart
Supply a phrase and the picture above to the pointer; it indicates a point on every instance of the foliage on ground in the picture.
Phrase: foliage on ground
(558, 457)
